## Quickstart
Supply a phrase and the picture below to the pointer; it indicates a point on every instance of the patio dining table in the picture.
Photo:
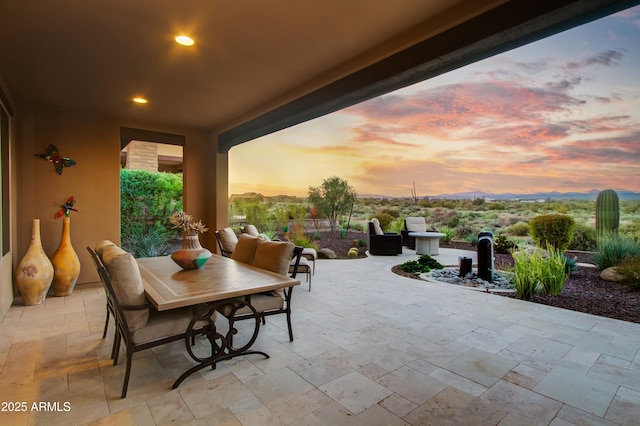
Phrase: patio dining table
(221, 281)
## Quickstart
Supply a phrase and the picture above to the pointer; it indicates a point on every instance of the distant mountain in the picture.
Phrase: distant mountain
(554, 195)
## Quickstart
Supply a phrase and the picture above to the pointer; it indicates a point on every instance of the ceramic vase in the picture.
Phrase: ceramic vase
(191, 255)
(35, 271)
(66, 266)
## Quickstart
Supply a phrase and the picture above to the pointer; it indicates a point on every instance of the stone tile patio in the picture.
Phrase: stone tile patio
(371, 348)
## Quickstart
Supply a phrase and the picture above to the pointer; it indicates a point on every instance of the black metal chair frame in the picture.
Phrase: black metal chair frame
(233, 317)
(122, 328)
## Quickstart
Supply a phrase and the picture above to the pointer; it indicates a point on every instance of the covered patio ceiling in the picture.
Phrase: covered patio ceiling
(258, 66)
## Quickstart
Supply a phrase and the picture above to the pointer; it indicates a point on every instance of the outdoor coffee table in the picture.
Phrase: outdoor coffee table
(427, 242)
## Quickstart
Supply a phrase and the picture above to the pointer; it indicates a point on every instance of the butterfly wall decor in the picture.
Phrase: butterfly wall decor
(54, 158)
(66, 208)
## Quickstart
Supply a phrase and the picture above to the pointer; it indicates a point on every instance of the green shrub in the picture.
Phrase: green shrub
(535, 273)
(613, 250)
(448, 233)
(554, 272)
(503, 245)
(571, 265)
(342, 233)
(429, 261)
(305, 242)
(630, 270)
(584, 238)
(520, 229)
(146, 242)
(395, 213)
(526, 281)
(415, 267)
(147, 201)
(472, 238)
(362, 243)
(385, 220)
(554, 230)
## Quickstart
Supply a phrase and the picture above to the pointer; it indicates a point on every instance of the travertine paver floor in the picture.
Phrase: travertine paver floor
(371, 348)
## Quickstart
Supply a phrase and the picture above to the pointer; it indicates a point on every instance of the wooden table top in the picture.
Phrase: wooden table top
(168, 286)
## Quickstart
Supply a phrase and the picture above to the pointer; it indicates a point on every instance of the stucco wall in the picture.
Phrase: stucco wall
(94, 143)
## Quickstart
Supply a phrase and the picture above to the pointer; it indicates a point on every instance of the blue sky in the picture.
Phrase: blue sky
(561, 114)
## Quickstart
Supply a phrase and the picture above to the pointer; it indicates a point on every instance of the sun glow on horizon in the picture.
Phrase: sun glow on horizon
(543, 117)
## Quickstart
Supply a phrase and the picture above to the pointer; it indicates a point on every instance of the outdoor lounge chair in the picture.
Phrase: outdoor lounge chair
(412, 224)
(383, 244)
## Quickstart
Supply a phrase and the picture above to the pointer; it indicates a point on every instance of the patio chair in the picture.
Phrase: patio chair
(274, 256)
(251, 230)
(412, 224)
(227, 241)
(139, 325)
(379, 243)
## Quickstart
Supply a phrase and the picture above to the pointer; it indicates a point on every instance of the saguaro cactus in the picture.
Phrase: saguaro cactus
(607, 214)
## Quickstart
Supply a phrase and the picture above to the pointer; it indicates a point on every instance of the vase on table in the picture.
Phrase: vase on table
(35, 271)
(191, 255)
(66, 265)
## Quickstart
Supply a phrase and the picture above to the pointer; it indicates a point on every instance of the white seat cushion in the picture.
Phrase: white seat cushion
(376, 226)
(416, 224)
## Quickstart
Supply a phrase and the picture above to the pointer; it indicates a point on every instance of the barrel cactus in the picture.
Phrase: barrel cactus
(607, 214)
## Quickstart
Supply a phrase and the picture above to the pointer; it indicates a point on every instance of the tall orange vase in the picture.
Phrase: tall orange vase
(35, 271)
(66, 265)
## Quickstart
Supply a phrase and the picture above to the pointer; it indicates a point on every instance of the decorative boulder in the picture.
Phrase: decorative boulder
(325, 253)
(611, 274)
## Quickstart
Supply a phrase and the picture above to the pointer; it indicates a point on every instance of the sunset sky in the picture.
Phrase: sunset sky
(561, 114)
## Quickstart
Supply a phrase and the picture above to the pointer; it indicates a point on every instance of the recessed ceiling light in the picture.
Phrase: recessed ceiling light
(140, 100)
(185, 40)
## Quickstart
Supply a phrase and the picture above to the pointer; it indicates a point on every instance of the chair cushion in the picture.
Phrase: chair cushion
(251, 230)
(262, 302)
(245, 249)
(127, 283)
(416, 224)
(309, 253)
(99, 248)
(228, 239)
(274, 256)
(165, 324)
(376, 226)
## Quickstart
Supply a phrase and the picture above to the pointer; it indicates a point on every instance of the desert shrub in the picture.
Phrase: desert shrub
(146, 242)
(256, 214)
(472, 238)
(432, 263)
(385, 220)
(448, 233)
(362, 243)
(357, 227)
(305, 242)
(395, 213)
(520, 229)
(584, 238)
(570, 264)
(466, 230)
(526, 282)
(415, 267)
(613, 250)
(342, 233)
(503, 245)
(553, 230)
(630, 230)
(554, 272)
(630, 270)
(496, 206)
(535, 273)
